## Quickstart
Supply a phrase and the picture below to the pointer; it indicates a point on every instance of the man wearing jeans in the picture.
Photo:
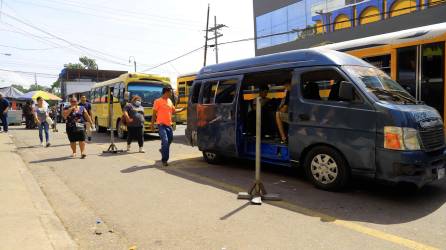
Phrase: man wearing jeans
(4, 107)
(163, 109)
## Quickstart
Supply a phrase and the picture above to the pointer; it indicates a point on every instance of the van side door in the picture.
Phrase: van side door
(192, 120)
(216, 115)
(318, 115)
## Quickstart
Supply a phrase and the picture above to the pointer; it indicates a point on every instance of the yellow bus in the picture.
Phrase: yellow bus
(415, 58)
(148, 87)
(184, 83)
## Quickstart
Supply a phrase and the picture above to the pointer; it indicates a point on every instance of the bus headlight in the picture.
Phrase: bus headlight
(397, 138)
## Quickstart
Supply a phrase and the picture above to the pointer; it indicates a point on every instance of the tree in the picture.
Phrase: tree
(88, 63)
(85, 63)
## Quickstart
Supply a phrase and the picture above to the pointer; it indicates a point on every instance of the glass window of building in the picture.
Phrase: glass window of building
(280, 21)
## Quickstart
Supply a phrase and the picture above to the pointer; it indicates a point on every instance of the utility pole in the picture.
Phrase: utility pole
(216, 39)
(217, 34)
(134, 62)
(35, 79)
(206, 37)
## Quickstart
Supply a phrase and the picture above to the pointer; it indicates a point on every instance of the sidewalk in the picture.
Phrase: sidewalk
(27, 221)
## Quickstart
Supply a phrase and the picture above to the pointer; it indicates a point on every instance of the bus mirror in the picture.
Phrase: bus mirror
(346, 91)
(126, 96)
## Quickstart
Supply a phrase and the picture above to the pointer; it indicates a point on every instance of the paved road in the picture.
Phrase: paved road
(193, 205)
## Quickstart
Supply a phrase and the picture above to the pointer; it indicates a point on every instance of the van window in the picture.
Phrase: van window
(195, 92)
(208, 92)
(226, 91)
(322, 85)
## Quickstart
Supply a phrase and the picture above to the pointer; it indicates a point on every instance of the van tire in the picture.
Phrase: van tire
(122, 134)
(326, 168)
(211, 157)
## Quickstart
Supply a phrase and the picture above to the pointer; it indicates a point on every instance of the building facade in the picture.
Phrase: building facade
(283, 25)
(77, 82)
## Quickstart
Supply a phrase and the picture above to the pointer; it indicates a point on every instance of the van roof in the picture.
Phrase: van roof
(295, 58)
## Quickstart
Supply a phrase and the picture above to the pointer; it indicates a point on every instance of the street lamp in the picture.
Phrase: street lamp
(134, 61)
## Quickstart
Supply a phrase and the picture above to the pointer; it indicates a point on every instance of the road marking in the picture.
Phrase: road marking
(411, 244)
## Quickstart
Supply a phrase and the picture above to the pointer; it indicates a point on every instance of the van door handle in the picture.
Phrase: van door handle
(304, 117)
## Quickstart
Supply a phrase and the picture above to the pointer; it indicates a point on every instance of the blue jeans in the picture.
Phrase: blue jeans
(44, 126)
(166, 135)
(4, 119)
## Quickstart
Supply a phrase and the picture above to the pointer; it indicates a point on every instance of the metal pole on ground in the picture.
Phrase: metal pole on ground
(257, 193)
(112, 148)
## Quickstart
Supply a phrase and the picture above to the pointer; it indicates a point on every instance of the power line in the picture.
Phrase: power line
(18, 48)
(29, 72)
(127, 11)
(114, 16)
(174, 59)
(78, 46)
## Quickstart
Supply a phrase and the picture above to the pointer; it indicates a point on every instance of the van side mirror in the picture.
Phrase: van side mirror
(126, 96)
(346, 91)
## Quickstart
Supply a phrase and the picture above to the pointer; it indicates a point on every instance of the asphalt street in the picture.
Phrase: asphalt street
(193, 205)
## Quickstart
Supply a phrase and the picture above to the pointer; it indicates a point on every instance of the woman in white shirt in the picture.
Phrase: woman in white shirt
(41, 115)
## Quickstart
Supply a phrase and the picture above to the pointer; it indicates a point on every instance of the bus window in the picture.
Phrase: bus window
(116, 92)
(226, 91)
(104, 93)
(432, 76)
(381, 62)
(406, 69)
(208, 92)
(92, 94)
(196, 92)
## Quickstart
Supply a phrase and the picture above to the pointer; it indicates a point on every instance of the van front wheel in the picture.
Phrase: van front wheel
(211, 158)
(326, 168)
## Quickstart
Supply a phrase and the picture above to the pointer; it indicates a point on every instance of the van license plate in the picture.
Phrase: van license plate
(441, 173)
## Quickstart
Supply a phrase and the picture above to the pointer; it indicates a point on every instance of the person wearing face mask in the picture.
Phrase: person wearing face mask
(134, 115)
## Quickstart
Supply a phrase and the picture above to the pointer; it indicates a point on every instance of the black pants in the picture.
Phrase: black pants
(136, 133)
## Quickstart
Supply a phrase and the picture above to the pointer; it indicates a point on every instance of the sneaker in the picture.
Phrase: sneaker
(83, 156)
(48, 144)
(128, 148)
(141, 150)
(42, 144)
(165, 164)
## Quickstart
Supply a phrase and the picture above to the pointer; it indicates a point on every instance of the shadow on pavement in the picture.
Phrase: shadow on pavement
(364, 200)
(138, 168)
(64, 158)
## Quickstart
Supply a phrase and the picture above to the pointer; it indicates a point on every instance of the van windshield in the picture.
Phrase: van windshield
(380, 84)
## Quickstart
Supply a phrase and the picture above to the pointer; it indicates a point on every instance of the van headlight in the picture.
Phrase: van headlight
(397, 138)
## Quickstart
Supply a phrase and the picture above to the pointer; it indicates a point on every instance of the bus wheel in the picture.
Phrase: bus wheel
(211, 158)
(98, 128)
(121, 132)
(326, 168)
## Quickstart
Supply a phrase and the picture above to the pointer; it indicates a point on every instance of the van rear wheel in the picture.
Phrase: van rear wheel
(211, 157)
(326, 168)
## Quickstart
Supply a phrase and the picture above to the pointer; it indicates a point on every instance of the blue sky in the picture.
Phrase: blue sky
(111, 31)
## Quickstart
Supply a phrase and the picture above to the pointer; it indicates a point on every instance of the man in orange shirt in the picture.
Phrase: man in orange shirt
(163, 109)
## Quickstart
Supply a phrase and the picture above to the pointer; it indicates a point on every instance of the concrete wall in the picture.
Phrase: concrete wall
(421, 18)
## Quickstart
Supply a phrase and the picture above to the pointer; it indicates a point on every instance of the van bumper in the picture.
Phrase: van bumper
(415, 167)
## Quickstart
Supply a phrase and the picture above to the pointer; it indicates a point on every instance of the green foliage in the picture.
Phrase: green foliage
(85, 63)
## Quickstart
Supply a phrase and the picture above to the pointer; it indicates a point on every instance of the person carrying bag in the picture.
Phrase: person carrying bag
(76, 116)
